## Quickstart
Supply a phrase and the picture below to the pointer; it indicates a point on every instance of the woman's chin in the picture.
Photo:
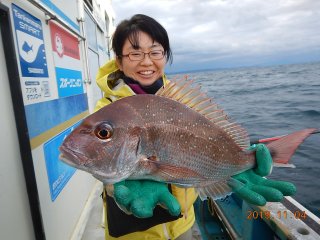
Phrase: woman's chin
(144, 81)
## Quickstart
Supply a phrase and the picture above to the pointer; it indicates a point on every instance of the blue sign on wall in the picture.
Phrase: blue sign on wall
(69, 82)
(58, 172)
(30, 43)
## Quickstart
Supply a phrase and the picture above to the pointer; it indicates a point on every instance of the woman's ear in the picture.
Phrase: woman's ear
(119, 63)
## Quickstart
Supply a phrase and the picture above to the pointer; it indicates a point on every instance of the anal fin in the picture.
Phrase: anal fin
(219, 189)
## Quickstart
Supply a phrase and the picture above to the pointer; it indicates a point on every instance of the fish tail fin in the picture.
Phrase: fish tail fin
(282, 150)
(219, 189)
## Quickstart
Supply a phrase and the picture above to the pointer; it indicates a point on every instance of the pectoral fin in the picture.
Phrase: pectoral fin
(172, 173)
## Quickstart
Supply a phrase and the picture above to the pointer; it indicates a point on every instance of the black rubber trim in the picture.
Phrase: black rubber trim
(109, 99)
(308, 220)
(21, 122)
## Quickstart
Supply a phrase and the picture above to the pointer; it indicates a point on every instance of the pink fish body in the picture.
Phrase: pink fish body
(176, 136)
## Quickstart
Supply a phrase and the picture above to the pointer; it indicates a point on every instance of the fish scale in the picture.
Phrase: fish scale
(211, 156)
(169, 119)
(176, 136)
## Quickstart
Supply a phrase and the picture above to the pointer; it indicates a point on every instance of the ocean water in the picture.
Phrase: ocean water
(275, 101)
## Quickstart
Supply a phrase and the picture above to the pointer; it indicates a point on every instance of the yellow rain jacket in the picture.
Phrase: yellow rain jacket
(109, 80)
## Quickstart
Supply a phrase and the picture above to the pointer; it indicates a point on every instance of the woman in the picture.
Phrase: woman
(142, 49)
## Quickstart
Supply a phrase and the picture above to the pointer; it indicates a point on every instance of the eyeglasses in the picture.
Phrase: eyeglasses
(138, 56)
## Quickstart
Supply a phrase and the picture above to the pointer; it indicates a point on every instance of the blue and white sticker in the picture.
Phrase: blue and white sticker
(69, 82)
(58, 172)
(32, 55)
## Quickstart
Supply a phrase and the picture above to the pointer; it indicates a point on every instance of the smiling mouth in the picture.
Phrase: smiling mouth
(146, 72)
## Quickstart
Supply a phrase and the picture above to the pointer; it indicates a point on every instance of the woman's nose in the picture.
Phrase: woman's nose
(147, 61)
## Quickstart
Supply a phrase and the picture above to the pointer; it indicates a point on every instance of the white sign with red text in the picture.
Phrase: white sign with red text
(67, 61)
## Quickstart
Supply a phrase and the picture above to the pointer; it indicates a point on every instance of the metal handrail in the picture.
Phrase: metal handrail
(83, 29)
(53, 16)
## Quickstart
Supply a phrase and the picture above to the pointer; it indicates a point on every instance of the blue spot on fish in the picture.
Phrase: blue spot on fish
(26, 47)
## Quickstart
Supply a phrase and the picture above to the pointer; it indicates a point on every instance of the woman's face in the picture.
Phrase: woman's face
(145, 71)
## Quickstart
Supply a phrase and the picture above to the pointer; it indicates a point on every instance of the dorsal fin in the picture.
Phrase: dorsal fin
(182, 91)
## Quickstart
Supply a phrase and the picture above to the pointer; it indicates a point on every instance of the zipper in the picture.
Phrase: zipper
(166, 235)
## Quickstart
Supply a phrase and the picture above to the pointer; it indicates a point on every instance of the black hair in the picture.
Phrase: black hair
(129, 29)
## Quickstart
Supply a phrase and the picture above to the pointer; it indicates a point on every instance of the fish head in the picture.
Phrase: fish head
(105, 144)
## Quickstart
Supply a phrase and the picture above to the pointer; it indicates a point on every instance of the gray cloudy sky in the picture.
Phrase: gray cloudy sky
(208, 34)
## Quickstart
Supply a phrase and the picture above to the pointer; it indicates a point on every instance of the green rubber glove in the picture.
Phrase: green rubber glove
(141, 197)
(259, 190)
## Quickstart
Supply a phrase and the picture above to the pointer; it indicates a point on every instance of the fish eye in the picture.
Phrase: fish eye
(103, 131)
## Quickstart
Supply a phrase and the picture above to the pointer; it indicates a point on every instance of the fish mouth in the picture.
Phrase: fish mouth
(70, 157)
(65, 160)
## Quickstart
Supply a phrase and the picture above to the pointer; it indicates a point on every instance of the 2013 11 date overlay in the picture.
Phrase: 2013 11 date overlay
(280, 215)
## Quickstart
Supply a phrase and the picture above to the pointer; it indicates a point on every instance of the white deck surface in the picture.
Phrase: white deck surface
(93, 230)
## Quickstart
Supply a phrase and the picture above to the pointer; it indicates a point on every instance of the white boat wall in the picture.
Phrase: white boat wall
(50, 51)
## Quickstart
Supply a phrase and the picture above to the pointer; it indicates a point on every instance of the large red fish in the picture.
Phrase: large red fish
(176, 136)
